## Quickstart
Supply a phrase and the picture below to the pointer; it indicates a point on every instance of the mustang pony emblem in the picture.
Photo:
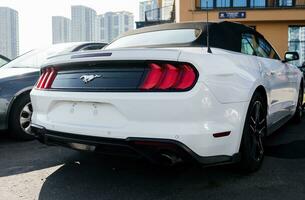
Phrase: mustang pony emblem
(88, 78)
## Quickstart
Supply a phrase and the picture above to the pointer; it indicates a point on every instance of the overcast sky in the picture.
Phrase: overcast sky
(35, 16)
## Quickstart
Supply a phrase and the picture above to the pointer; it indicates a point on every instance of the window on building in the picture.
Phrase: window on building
(285, 3)
(257, 3)
(126, 20)
(116, 21)
(204, 4)
(223, 3)
(296, 42)
(239, 3)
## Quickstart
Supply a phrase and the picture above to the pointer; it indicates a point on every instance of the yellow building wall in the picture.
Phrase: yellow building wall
(272, 23)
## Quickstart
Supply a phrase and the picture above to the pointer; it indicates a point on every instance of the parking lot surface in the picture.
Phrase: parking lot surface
(31, 170)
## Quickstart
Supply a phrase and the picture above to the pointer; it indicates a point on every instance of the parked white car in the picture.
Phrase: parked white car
(159, 92)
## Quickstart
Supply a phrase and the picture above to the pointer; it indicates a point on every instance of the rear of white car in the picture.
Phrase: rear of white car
(172, 101)
(115, 104)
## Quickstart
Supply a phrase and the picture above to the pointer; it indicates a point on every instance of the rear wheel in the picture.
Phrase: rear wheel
(255, 128)
(20, 118)
(299, 110)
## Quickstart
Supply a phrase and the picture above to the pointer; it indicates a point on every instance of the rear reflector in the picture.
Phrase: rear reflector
(169, 77)
(222, 134)
(46, 79)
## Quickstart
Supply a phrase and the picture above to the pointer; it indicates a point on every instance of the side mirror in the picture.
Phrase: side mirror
(291, 56)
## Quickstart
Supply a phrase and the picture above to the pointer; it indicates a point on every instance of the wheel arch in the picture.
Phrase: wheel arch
(261, 89)
(15, 98)
(257, 89)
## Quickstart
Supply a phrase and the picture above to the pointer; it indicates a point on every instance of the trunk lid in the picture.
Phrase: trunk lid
(118, 70)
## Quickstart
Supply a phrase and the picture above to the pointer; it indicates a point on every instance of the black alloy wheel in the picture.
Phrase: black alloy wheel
(255, 129)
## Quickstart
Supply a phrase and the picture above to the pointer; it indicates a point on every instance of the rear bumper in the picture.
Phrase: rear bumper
(191, 118)
(148, 148)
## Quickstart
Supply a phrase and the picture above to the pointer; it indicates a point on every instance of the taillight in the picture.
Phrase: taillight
(169, 77)
(46, 79)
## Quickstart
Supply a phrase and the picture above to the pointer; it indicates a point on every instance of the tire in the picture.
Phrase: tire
(299, 110)
(20, 118)
(255, 129)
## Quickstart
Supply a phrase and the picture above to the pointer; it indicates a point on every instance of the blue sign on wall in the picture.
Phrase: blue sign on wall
(232, 15)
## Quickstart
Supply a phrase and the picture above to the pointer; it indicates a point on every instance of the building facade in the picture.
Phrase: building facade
(61, 29)
(101, 28)
(282, 22)
(9, 32)
(167, 6)
(84, 24)
(156, 12)
(148, 7)
(113, 24)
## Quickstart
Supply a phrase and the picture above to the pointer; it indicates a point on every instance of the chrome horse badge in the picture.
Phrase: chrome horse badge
(89, 78)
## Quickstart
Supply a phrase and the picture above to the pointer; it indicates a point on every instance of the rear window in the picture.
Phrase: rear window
(35, 58)
(155, 38)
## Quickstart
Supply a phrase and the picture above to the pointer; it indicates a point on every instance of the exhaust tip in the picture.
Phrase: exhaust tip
(170, 159)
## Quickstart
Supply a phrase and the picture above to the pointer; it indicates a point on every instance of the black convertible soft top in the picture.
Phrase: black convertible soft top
(225, 35)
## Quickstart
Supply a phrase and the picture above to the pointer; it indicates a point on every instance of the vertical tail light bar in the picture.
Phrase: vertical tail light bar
(153, 77)
(46, 79)
(176, 77)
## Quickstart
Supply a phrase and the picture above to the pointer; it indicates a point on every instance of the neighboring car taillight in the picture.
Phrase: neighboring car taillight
(169, 77)
(46, 79)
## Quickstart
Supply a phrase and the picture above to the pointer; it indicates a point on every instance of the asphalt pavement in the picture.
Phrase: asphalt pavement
(30, 170)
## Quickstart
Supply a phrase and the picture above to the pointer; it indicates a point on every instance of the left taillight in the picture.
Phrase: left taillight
(46, 79)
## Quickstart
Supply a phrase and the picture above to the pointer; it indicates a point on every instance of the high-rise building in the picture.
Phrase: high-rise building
(112, 24)
(101, 30)
(9, 32)
(148, 7)
(61, 29)
(84, 24)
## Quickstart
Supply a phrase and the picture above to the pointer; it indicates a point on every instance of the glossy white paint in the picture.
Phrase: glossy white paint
(218, 102)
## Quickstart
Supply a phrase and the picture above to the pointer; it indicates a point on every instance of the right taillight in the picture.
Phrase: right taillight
(46, 79)
(168, 76)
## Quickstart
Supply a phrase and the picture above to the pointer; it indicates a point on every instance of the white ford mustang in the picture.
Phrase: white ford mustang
(162, 93)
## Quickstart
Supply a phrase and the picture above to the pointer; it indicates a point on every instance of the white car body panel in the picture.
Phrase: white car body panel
(218, 102)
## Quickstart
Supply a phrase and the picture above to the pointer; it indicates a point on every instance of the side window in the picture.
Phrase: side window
(2, 62)
(247, 43)
(92, 47)
(265, 50)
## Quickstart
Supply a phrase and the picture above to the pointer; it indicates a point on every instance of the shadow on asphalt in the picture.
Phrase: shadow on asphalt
(21, 157)
(94, 177)
(288, 142)
(106, 178)
(89, 176)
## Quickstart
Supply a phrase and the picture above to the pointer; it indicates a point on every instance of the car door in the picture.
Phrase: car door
(278, 80)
